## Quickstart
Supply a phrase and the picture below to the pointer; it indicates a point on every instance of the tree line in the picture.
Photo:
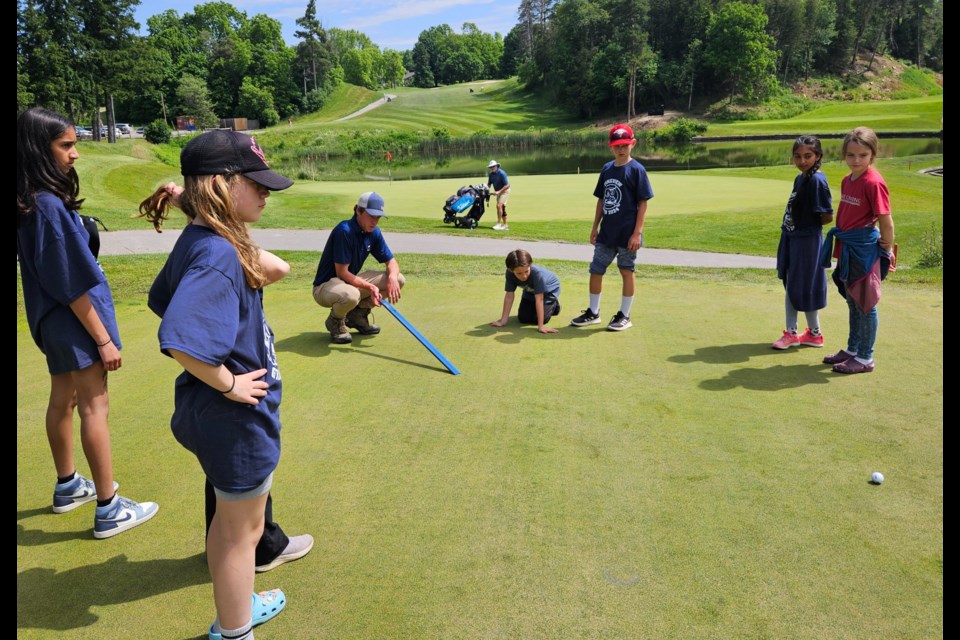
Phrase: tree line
(594, 56)
(590, 56)
(83, 56)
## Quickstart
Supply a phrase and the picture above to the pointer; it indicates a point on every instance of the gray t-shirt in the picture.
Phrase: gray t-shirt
(541, 280)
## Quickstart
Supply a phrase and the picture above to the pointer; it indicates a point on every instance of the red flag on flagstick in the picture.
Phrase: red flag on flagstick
(389, 157)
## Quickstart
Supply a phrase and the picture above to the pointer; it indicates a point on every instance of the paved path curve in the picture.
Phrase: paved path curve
(135, 242)
(373, 105)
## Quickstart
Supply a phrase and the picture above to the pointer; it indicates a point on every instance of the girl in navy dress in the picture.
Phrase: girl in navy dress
(71, 317)
(809, 207)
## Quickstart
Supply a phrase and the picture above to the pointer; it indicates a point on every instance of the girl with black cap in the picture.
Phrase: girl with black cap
(209, 298)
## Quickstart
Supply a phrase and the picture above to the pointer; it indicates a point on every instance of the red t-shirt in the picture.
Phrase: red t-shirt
(862, 200)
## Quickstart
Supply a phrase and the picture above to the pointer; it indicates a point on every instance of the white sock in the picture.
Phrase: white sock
(625, 304)
(243, 633)
(595, 303)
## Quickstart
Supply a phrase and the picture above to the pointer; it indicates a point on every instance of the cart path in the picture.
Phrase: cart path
(387, 97)
(137, 242)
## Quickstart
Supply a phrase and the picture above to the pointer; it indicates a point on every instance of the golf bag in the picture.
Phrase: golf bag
(470, 199)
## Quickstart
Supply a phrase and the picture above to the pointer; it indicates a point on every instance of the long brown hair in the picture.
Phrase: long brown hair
(210, 200)
(37, 170)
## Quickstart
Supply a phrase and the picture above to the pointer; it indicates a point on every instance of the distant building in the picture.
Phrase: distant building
(186, 123)
(239, 124)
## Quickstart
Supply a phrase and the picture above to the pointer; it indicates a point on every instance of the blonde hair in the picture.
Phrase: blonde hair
(210, 199)
(863, 136)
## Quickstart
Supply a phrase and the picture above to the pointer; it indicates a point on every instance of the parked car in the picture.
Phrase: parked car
(83, 133)
(123, 127)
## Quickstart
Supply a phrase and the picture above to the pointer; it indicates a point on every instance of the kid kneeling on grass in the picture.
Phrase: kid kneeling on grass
(622, 192)
(541, 292)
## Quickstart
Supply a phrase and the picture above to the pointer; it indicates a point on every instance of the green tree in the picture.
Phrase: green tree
(228, 55)
(513, 53)
(358, 66)
(157, 132)
(820, 20)
(739, 50)
(571, 55)
(631, 36)
(193, 100)
(314, 53)
(257, 103)
(428, 55)
(272, 63)
(673, 24)
(392, 69)
(53, 54)
(785, 23)
(461, 65)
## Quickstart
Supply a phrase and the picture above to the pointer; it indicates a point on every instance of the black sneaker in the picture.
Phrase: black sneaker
(587, 317)
(619, 322)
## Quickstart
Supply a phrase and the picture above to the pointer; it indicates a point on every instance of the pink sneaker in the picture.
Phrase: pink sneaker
(786, 341)
(809, 340)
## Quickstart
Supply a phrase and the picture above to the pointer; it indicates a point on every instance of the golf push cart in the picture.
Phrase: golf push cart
(469, 199)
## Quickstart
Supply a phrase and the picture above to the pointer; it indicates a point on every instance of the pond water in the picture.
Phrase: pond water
(571, 159)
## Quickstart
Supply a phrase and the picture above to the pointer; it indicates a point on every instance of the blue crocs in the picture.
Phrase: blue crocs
(266, 605)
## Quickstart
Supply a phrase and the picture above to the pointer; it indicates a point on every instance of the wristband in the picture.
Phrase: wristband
(232, 385)
(103, 344)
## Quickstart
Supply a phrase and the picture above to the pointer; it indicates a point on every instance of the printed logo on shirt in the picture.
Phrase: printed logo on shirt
(844, 197)
(271, 351)
(788, 213)
(612, 196)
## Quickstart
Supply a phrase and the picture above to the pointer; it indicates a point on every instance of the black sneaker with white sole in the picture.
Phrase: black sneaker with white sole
(585, 318)
(619, 322)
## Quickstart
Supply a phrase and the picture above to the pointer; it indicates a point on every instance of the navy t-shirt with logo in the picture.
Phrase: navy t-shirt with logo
(621, 189)
(208, 311)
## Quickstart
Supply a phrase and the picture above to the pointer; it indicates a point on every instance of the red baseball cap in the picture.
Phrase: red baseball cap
(621, 134)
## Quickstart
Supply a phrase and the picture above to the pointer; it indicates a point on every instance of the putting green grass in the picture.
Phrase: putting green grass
(676, 480)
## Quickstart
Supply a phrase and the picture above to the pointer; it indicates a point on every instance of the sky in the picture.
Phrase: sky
(390, 24)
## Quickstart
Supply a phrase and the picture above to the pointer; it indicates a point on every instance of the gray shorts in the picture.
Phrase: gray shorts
(256, 492)
(604, 254)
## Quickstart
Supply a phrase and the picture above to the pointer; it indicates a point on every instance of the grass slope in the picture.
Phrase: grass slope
(888, 116)
(697, 484)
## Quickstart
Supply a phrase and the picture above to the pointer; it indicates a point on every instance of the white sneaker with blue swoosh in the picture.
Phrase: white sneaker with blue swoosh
(121, 514)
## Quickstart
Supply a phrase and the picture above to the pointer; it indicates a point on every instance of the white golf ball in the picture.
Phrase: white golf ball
(876, 477)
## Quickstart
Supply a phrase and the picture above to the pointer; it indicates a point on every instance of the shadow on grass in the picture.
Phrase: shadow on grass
(730, 353)
(776, 378)
(514, 332)
(116, 581)
(317, 345)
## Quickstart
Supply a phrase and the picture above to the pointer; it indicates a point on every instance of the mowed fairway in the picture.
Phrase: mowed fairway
(680, 480)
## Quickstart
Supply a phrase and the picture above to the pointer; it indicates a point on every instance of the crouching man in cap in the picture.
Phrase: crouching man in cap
(341, 286)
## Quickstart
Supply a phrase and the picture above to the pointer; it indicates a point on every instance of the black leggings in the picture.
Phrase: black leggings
(527, 314)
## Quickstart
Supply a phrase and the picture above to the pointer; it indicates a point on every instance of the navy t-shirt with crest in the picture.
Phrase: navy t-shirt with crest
(621, 189)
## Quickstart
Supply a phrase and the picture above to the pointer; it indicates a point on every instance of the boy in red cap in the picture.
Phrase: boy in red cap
(622, 192)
